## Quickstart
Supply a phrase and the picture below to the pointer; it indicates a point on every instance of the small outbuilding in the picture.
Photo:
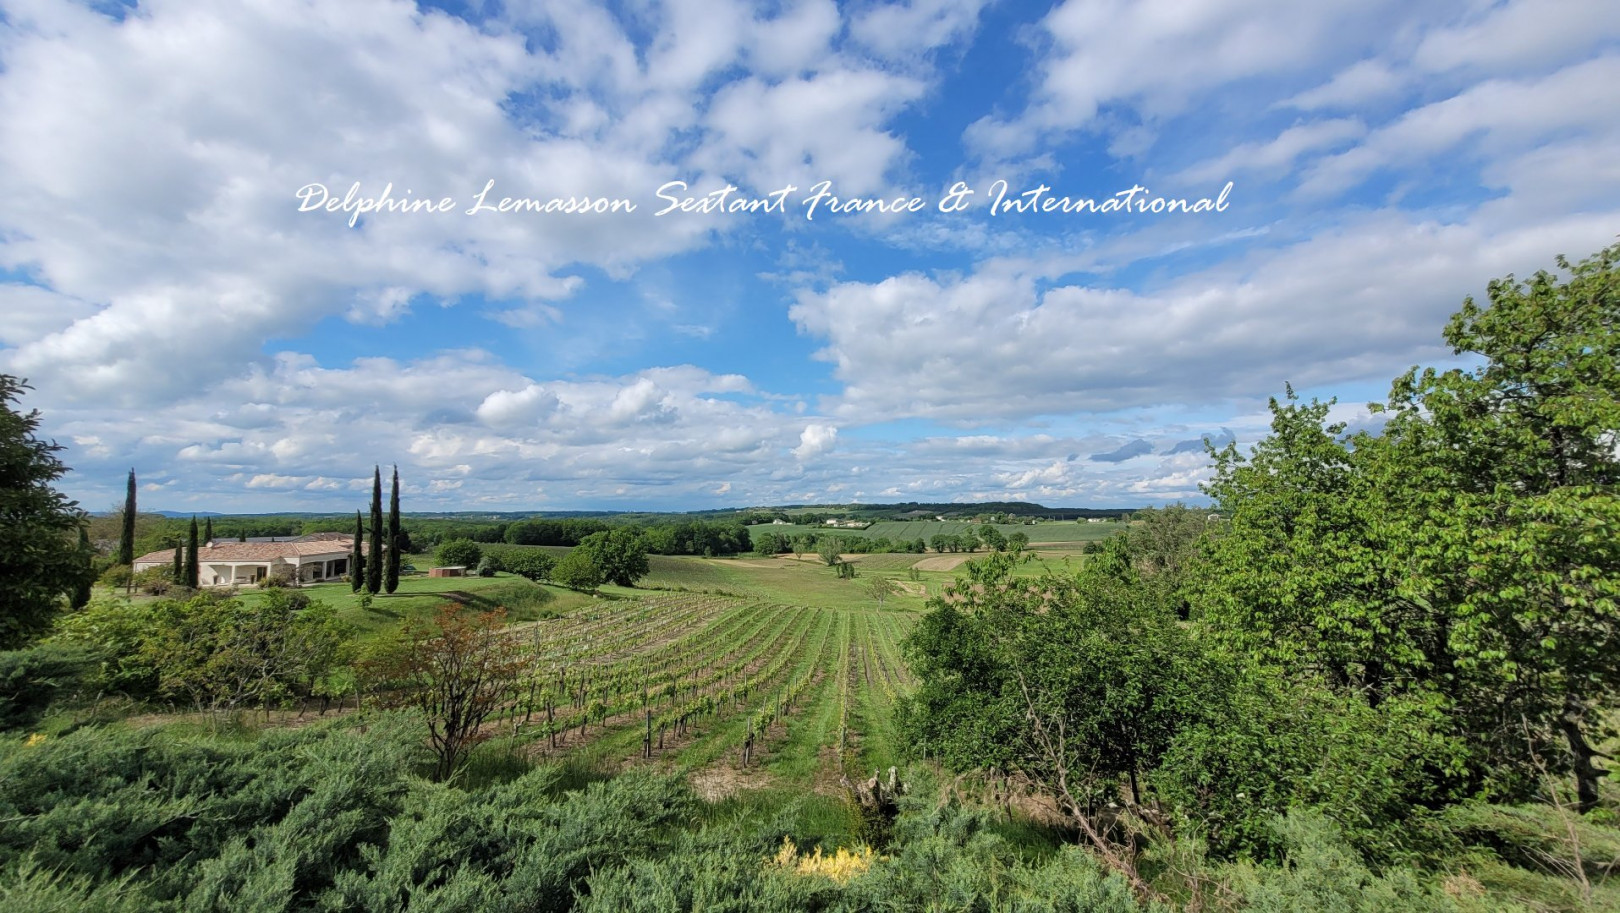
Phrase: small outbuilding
(455, 570)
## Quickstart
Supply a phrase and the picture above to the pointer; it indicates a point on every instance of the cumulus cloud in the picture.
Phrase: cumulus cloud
(1362, 302)
(815, 440)
(158, 214)
(177, 313)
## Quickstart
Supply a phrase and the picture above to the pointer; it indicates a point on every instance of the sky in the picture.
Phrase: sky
(191, 283)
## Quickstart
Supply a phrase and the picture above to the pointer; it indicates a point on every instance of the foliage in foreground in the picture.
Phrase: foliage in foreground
(1377, 627)
(340, 816)
(322, 818)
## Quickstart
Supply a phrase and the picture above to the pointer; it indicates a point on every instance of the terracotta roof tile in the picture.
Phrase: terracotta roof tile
(257, 551)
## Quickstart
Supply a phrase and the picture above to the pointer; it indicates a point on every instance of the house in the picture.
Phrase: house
(306, 559)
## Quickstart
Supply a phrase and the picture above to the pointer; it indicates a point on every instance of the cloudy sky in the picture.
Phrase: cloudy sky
(177, 312)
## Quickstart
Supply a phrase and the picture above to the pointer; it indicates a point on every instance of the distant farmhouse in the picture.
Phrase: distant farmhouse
(307, 559)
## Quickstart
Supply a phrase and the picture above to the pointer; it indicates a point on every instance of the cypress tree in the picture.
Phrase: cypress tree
(191, 555)
(357, 558)
(391, 572)
(81, 594)
(126, 538)
(374, 564)
(179, 570)
(208, 531)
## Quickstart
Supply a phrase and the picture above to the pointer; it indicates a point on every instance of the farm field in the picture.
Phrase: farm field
(742, 674)
(749, 675)
(1039, 533)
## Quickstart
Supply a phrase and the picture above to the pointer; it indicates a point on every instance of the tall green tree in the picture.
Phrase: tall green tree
(357, 556)
(993, 539)
(81, 595)
(178, 571)
(208, 530)
(41, 561)
(577, 571)
(375, 560)
(1465, 555)
(1305, 575)
(391, 575)
(1511, 471)
(619, 554)
(192, 569)
(126, 536)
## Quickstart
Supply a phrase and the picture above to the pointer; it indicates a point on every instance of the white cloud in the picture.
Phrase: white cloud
(1361, 302)
(517, 407)
(1493, 117)
(1520, 34)
(815, 440)
(1358, 84)
(1277, 154)
(900, 30)
(1158, 56)
(271, 480)
(826, 127)
(149, 164)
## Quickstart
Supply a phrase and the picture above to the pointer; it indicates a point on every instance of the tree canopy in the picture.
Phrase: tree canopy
(1466, 551)
(620, 554)
(41, 561)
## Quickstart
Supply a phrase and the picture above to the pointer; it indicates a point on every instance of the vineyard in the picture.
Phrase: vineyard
(688, 681)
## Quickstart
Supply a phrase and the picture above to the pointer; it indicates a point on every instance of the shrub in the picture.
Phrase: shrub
(279, 579)
(117, 576)
(1321, 873)
(31, 679)
(154, 581)
(458, 553)
(534, 565)
(1271, 744)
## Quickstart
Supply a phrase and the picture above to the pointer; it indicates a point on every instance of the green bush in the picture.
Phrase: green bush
(31, 679)
(530, 563)
(154, 581)
(458, 553)
(117, 576)
(326, 817)
(1270, 745)
(1321, 873)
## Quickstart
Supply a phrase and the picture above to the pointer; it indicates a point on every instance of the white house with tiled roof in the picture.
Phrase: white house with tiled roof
(309, 560)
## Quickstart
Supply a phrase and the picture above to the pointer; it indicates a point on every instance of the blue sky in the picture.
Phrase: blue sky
(178, 314)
